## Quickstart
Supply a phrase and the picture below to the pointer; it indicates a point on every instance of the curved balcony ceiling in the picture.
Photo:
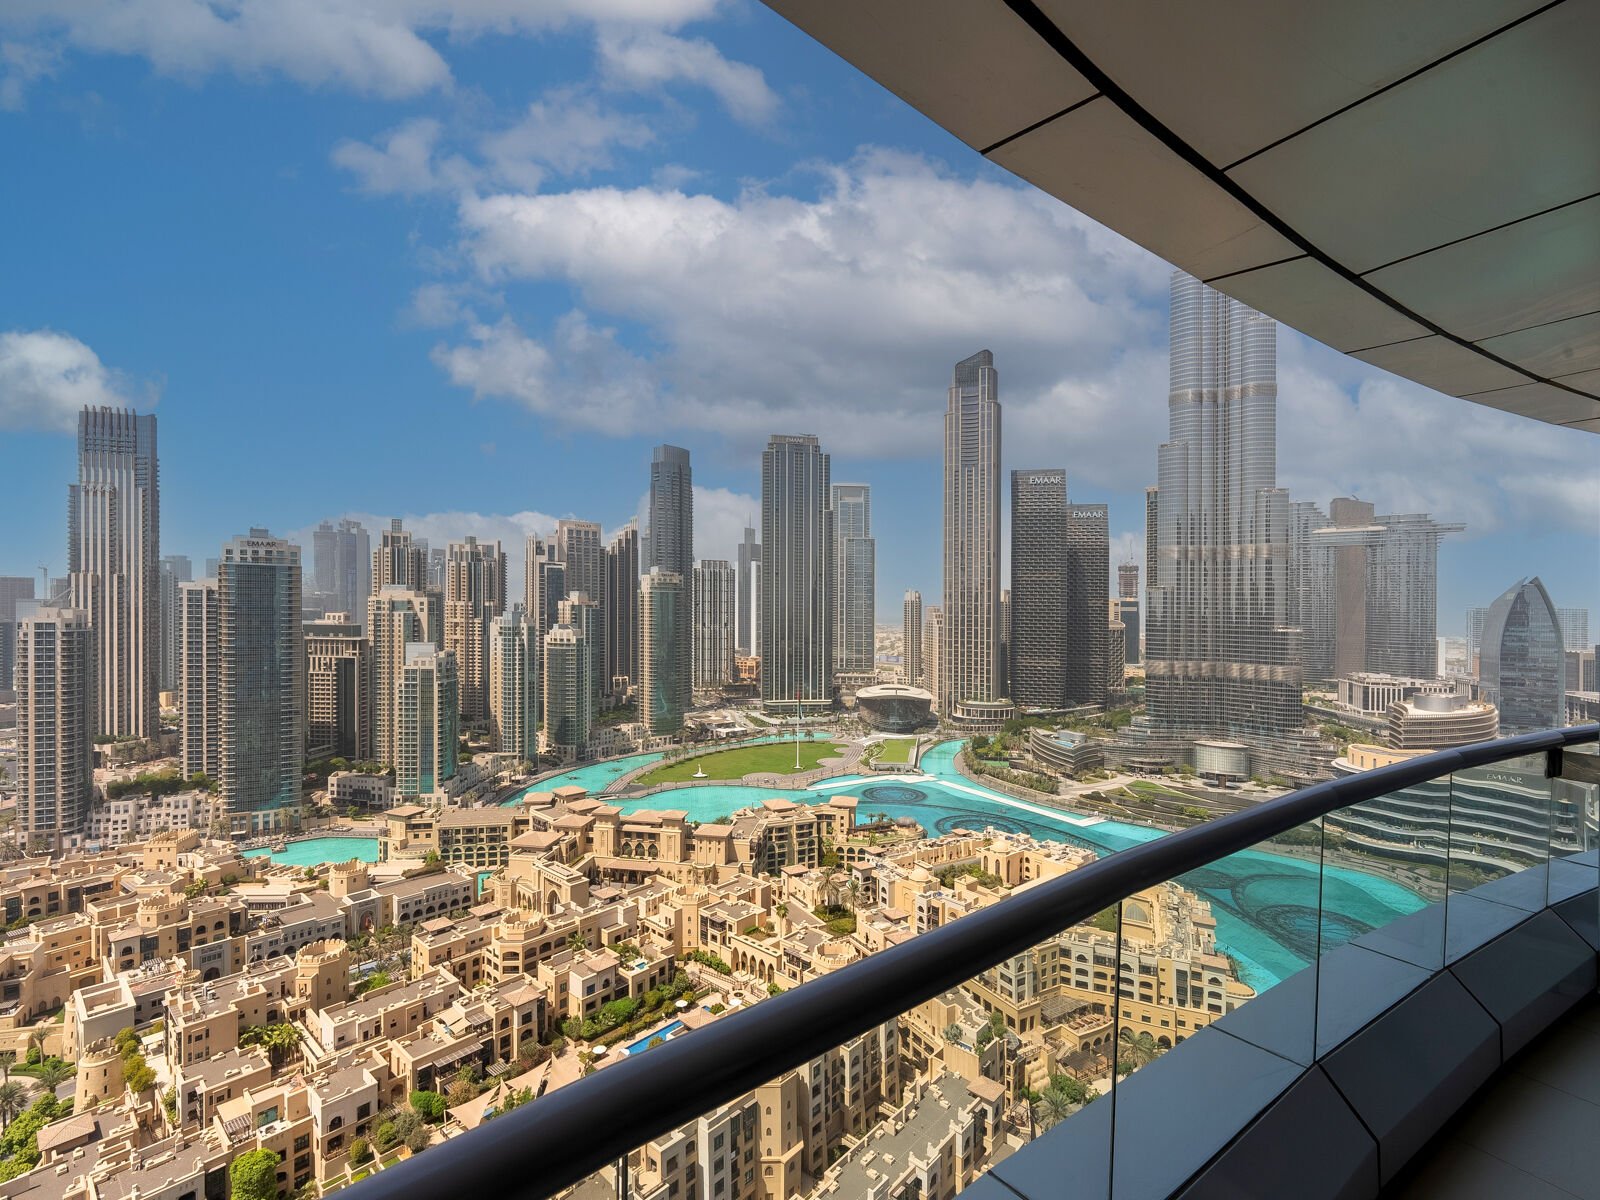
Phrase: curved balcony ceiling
(1416, 185)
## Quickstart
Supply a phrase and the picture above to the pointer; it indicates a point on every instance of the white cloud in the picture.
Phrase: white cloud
(384, 49)
(46, 377)
(563, 133)
(649, 58)
(839, 314)
(22, 64)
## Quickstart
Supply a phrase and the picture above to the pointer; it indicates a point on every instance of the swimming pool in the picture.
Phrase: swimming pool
(593, 778)
(312, 852)
(643, 1043)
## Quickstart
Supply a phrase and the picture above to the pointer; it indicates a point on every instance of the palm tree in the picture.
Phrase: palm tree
(578, 942)
(7, 1059)
(13, 1099)
(279, 1041)
(52, 1073)
(1052, 1108)
(852, 891)
(1135, 1050)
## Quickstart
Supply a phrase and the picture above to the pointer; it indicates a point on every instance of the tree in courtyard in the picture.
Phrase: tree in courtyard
(254, 1176)
(53, 1072)
(428, 1105)
(1134, 1050)
(13, 1099)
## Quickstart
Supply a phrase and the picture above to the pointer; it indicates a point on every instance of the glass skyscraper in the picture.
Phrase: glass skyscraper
(969, 661)
(797, 597)
(1521, 664)
(1221, 659)
(261, 682)
(670, 541)
(855, 557)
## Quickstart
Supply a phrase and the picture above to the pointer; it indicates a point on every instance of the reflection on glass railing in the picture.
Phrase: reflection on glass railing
(1280, 945)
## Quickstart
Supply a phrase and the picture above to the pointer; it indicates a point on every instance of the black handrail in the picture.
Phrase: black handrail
(540, 1148)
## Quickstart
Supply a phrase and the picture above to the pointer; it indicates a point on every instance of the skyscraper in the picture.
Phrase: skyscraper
(113, 548)
(174, 569)
(199, 671)
(749, 562)
(911, 638)
(715, 605)
(620, 609)
(671, 541)
(1060, 585)
(261, 682)
(55, 681)
(544, 584)
(515, 656)
(12, 589)
(1128, 581)
(1220, 659)
(474, 595)
(1521, 663)
(933, 652)
(662, 661)
(399, 561)
(427, 720)
(1039, 630)
(342, 570)
(583, 555)
(970, 669)
(1364, 589)
(1088, 580)
(568, 692)
(1475, 621)
(798, 600)
(396, 617)
(855, 559)
(1574, 628)
(338, 689)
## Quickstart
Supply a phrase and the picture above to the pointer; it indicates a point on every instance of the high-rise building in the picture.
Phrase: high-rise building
(338, 689)
(12, 589)
(113, 548)
(174, 569)
(55, 682)
(438, 566)
(620, 610)
(1088, 580)
(671, 537)
(1116, 646)
(749, 561)
(544, 584)
(1220, 660)
(1475, 622)
(970, 669)
(342, 567)
(715, 610)
(474, 595)
(1574, 628)
(261, 682)
(855, 564)
(1060, 567)
(1152, 538)
(1521, 664)
(662, 661)
(515, 656)
(1039, 632)
(427, 722)
(399, 561)
(396, 617)
(911, 638)
(583, 554)
(933, 653)
(798, 581)
(199, 675)
(568, 691)
(1364, 589)
(1128, 581)
(1005, 641)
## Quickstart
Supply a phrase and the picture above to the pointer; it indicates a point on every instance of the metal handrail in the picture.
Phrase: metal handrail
(540, 1148)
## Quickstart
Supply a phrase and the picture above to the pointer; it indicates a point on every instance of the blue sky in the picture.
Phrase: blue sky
(466, 262)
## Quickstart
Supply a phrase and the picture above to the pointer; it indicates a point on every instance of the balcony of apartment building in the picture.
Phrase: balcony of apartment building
(1380, 985)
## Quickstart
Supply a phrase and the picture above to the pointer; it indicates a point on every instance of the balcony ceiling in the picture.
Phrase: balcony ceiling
(1417, 185)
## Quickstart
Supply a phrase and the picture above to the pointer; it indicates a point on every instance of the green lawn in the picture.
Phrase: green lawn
(896, 750)
(772, 757)
(1145, 788)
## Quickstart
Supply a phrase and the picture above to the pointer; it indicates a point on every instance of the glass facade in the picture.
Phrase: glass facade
(1521, 664)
